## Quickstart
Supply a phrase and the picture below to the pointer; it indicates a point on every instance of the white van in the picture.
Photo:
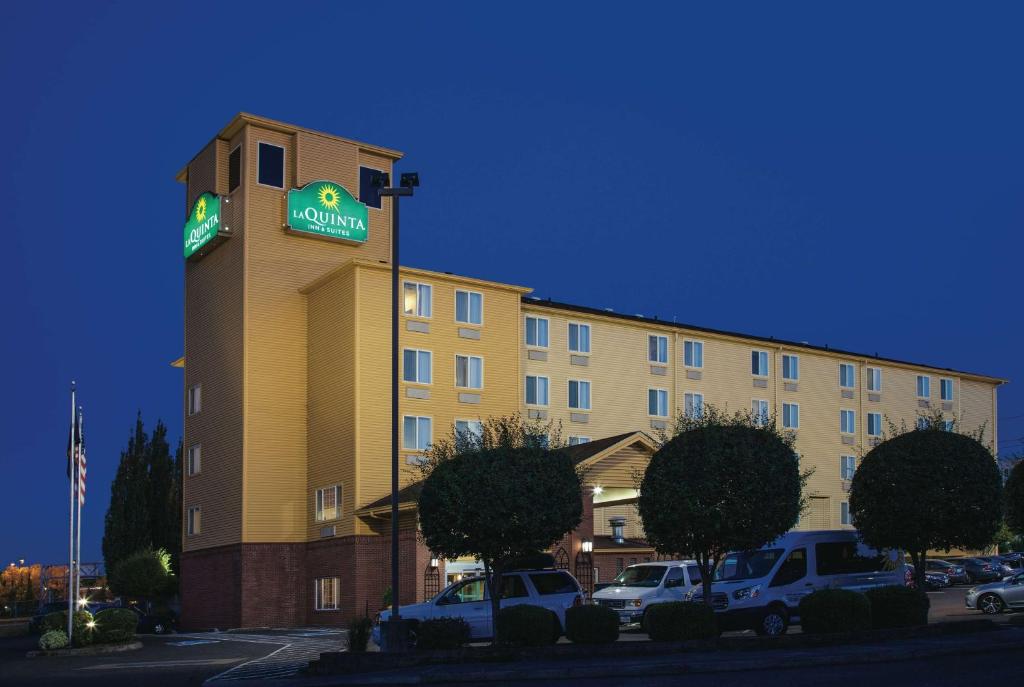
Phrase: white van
(761, 590)
(641, 585)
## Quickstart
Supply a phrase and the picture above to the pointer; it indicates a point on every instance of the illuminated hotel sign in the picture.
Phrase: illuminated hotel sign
(324, 208)
(203, 224)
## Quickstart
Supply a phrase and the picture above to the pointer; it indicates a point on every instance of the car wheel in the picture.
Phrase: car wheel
(158, 629)
(774, 622)
(990, 604)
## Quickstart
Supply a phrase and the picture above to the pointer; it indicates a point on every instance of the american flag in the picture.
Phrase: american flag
(81, 462)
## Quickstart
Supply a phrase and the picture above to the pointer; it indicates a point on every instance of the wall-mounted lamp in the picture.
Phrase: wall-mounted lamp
(588, 546)
(598, 490)
(433, 562)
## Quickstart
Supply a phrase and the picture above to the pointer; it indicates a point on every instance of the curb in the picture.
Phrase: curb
(86, 650)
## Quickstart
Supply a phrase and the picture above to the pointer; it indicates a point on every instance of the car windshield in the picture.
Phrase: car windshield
(640, 576)
(744, 565)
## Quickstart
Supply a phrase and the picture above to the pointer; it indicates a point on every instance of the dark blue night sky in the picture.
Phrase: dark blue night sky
(846, 175)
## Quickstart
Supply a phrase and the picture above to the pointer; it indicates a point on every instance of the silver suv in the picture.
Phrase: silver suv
(995, 597)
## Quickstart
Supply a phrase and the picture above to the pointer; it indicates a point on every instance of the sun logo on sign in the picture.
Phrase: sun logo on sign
(328, 197)
(201, 210)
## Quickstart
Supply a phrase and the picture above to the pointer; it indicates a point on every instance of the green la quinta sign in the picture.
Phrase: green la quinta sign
(324, 208)
(203, 223)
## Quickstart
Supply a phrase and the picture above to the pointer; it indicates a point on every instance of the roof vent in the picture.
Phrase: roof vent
(618, 525)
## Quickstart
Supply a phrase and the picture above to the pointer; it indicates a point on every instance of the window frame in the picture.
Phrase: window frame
(852, 376)
(194, 460)
(417, 448)
(927, 383)
(844, 513)
(843, 460)
(469, 371)
(658, 391)
(568, 394)
(657, 349)
(318, 594)
(418, 285)
(693, 396)
(842, 420)
(418, 351)
(871, 370)
(568, 336)
(536, 392)
(469, 307)
(785, 416)
(547, 331)
(767, 361)
(755, 414)
(194, 521)
(794, 367)
(318, 507)
(943, 382)
(578, 438)
(284, 165)
(468, 421)
(693, 343)
(194, 399)
(877, 433)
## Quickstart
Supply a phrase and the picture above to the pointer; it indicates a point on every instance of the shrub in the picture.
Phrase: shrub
(57, 620)
(677, 621)
(116, 625)
(82, 634)
(591, 624)
(834, 610)
(359, 630)
(442, 633)
(53, 639)
(526, 625)
(145, 573)
(898, 606)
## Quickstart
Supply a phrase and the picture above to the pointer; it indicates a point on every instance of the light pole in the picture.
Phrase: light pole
(409, 180)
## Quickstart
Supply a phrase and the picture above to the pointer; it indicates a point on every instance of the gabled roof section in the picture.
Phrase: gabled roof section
(408, 496)
(593, 451)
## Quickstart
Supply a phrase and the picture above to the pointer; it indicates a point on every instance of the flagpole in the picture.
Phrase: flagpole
(71, 517)
(78, 506)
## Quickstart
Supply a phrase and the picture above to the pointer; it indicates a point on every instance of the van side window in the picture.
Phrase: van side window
(553, 583)
(694, 572)
(794, 568)
(847, 558)
(674, 578)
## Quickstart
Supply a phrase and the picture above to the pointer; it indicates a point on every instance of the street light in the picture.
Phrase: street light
(409, 180)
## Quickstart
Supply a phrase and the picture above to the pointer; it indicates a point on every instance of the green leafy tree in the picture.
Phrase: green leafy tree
(925, 489)
(722, 483)
(505, 495)
(145, 573)
(1014, 499)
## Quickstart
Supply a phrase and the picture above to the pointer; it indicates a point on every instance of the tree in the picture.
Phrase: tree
(145, 573)
(927, 489)
(722, 483)
(505, 495)
(1014, 499)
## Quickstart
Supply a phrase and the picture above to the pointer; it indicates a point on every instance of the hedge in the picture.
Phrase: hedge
(53, 639)
(898, 606)
(526, 625)
(677, 621)
(116, 625)
(82, 634)
(834, 610)
(591, 624)
(442, 633)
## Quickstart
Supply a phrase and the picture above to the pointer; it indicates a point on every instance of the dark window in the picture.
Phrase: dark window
(793, 569)
(674, 577)
(234, 168)
(554, 583)
(271, 165)
(368, 192)
(845, 558)
(694, 573)
(513, 587)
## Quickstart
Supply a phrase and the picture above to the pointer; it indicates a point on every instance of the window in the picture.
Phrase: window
(693, 405)
(195, 399)
(328, 503)
(469, 372)
(874, 379)
(195, 520)
(195, 462)
(234, 168)
(416, 366)
(657, 349)
(924, 386)
(579, 338)
(759, 363)
(874, 424)
(555, 582)
(791, 367)
(576, 441)
(369, 192)
(946, 389)
(537, 331)
(844, 513)
(847, 421)
(271, 165)
(513, 587)
(948, 425)
(469, 307)
(470, 591)
(793, 569)
(759, 411)
(416, 299)
(469, 429)
(848, 557)
(791, 415)
(847, 380)
(536, 391)
(657, 402)
(416, 433)
(579, 394)
(693, 353)
(847, 466)
(922, 423)
(327, 592)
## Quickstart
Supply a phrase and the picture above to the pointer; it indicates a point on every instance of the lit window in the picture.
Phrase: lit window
(847, 421)
(924, 386)
(194, 459)
(195, 399)
(579, 338)
(847, 379)
(469, 307)
(576, 441)
(537, 331)
(759, 363)
(469, 429)
(416, 299)
(536, 390)
(657, 402)
(328, 503)
(946, 389)
(234, 168)
(791, 415)
(693, 405)
(416, 366)
(874, 424)
(469, 372)
(579, 394)
(847, 466)
(693, 354)
(327, 593)
(844, 513)
(759, 411)
(657, 349)
(791, 367)
(416, 433)
(874, 379)
(271, 165)
(195, 520)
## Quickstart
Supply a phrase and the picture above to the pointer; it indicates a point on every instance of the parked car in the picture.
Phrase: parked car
(555, 590)
(640, 586)
(995, 597)
(957, 574)
(761, 590)
(35, 623)
(979, 570)
(1014, 560)
(933, 579)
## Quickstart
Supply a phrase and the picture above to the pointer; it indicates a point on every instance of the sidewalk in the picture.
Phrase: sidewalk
(685, 662)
